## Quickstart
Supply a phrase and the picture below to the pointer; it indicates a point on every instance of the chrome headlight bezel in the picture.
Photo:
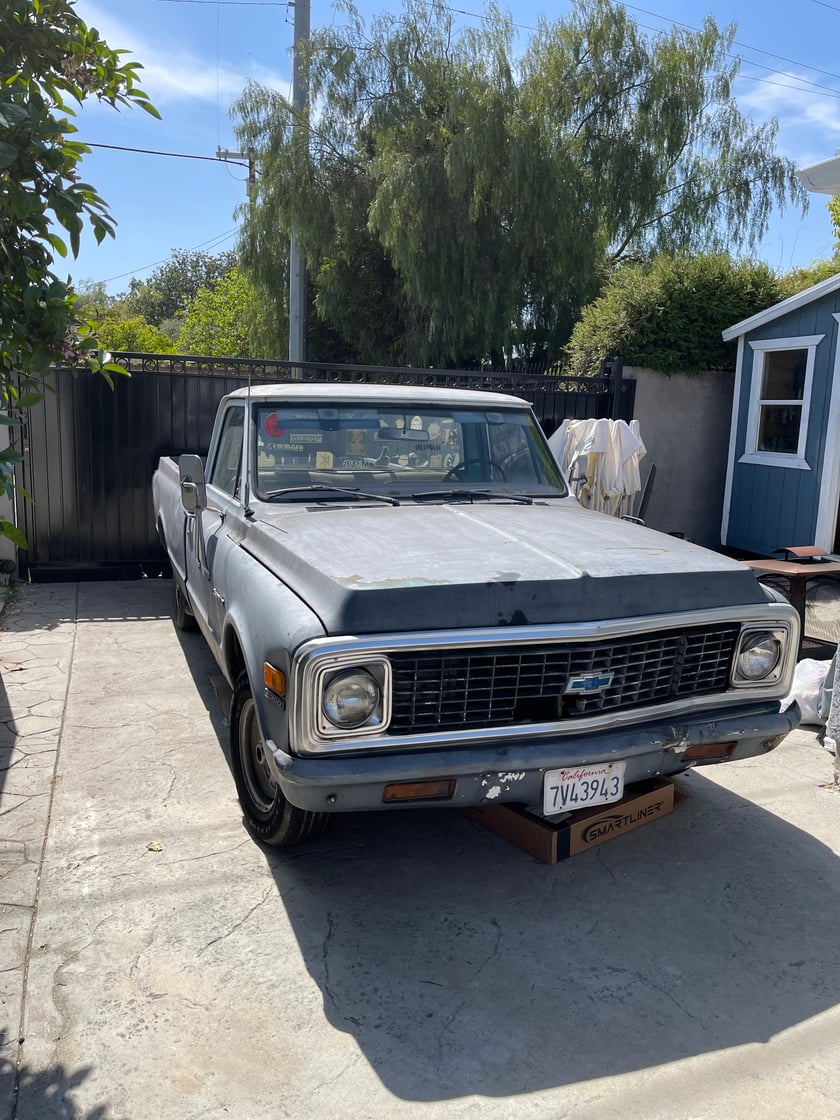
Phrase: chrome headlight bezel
(750, 636)
(378, 669)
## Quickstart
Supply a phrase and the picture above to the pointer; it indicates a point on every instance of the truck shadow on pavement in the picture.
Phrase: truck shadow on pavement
(462, 966)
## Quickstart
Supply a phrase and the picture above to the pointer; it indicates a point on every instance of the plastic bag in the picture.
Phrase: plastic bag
(808, 681)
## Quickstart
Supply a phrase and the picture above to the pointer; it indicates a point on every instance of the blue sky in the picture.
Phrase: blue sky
(198, 54)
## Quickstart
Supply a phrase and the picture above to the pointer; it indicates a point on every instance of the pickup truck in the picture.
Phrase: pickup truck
(412, 609)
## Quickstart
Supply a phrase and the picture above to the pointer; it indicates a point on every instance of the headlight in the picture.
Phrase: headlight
(759, 655)
(351, 698)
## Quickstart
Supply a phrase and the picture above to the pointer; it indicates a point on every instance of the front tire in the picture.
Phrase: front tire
(269, 817)
(181, 615)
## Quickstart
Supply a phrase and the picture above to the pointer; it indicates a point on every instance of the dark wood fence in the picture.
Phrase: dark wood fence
(90, 452)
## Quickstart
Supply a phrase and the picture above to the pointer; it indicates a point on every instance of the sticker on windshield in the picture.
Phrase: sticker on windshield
(273, 425)
(356, 442)
(323, 460)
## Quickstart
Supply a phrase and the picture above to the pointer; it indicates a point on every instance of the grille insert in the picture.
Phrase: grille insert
(481, 686)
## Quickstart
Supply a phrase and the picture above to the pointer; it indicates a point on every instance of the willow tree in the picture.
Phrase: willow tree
(454, 202)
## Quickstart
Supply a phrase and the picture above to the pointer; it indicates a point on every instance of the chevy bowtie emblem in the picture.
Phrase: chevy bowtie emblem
(585, 684)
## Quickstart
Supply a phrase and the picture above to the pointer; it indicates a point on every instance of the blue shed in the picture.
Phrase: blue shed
(783, 474)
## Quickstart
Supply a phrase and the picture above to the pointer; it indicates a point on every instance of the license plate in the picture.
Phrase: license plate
(578, 787)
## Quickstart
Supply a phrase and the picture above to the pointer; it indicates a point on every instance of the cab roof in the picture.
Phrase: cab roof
(347, 393)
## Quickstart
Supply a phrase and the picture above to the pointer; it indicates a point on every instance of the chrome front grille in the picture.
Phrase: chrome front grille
(483, 686)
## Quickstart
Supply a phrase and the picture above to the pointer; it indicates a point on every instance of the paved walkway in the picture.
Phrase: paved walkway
(156, 963)
(36, 653)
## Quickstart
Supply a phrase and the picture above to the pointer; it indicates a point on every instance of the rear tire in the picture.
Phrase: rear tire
(269, 817)
(181, 615)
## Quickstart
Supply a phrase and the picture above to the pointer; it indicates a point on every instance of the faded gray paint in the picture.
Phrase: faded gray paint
(500, 563)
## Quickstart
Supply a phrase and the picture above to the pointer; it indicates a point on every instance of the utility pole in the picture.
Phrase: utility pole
(224, 154)
(297, 265)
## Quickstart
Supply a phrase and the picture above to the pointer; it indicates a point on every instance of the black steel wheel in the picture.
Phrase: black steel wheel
(182, 616)
(269, 817)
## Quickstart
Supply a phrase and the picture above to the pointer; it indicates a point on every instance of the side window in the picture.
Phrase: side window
(510, 449)
(227, 464)
(507, 441)
(780, 399)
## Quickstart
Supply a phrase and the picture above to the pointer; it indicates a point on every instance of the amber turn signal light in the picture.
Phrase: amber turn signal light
(274, 679)
(709, 750)
(440, 789)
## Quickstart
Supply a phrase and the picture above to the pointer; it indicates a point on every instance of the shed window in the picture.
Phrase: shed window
(780, 403)
(780, 400)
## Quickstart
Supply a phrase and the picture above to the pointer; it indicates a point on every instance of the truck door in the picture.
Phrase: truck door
(206, 528)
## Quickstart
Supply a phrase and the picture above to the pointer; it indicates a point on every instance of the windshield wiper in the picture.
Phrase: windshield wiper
(339, 491)
(470, 496)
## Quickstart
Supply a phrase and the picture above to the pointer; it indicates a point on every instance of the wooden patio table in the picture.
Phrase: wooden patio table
(797, 574)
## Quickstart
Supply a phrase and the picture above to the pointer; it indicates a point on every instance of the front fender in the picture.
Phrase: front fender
(264, 621)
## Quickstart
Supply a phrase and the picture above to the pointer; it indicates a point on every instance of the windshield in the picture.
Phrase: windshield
(403, 451)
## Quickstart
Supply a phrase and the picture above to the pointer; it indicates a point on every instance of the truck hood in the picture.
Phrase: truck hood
(384, 569)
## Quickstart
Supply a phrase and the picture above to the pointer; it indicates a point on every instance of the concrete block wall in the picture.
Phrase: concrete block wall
(684, 423)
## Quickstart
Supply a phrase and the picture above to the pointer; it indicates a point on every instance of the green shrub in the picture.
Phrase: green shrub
(798, 279)
(668, 314)
(133, 335)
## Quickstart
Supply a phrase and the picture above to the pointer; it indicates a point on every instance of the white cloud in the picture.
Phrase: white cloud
(809, 119)
(172, 72)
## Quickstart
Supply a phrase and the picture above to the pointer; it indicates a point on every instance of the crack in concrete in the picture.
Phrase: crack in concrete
(334, 1000)
(58, 998)
(239, 924)
(606, 867)
(494, 952)
(332, 1080)
(215, 852)
(646, 981)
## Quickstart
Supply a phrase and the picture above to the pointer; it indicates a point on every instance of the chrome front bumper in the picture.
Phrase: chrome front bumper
(512, 770)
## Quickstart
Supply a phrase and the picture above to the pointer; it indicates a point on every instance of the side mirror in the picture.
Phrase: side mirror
(193, 492)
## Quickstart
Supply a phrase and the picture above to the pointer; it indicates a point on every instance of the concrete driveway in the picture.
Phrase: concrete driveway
(156, 963)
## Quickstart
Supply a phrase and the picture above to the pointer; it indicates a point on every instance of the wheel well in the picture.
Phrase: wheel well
(234, 657)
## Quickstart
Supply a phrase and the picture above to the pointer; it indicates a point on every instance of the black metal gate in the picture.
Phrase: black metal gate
(90, 452)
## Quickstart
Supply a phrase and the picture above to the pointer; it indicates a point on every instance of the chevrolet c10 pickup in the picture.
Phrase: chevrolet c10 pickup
(412, 609)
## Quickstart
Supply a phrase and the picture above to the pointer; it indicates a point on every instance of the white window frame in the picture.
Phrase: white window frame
(761, 347)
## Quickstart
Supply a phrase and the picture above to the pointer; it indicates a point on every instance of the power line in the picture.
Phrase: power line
(151, 152)
(217, 240)
(689, 27)
(744, 46)
(826, 92)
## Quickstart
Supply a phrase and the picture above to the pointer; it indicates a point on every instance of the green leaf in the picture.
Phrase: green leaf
(57, 244)
(8, 154)
(12, 533)
(29, 400)
(148, 107)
